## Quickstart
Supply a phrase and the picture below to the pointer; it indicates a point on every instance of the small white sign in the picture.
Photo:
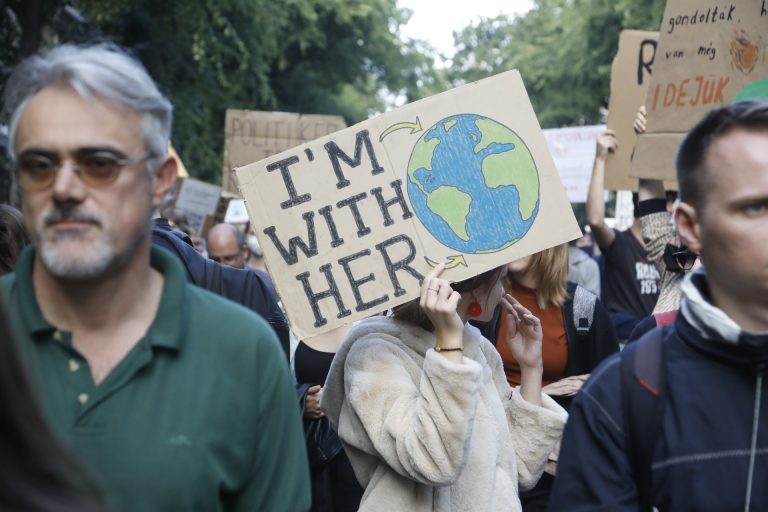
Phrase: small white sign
(573, 150)
(236, 212)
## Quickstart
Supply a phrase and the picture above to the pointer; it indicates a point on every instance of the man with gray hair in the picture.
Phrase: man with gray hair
(170, 396)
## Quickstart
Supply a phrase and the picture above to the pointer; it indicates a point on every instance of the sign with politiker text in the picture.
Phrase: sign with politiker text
(251, 135)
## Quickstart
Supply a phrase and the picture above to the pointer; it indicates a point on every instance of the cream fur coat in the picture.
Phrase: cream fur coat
(426, 434)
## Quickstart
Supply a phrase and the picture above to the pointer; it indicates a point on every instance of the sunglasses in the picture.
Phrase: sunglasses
(96, 168)
(685, 258)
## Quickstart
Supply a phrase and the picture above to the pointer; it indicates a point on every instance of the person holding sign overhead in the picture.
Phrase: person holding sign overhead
(630, 284)
(425, 413)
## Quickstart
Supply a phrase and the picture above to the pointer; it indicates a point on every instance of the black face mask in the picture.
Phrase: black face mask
(678, 258)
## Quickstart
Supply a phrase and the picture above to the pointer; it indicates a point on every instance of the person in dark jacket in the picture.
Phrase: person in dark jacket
(710, 450)
(573, 344)
(243, 286)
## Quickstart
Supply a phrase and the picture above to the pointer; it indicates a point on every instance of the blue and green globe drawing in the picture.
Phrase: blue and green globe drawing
(473, 183)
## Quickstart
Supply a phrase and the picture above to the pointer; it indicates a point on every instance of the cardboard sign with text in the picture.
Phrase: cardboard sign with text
(351, 222)
(573, 150)
(251, 135)
(199, 200)
(630, 76)
(710, 53)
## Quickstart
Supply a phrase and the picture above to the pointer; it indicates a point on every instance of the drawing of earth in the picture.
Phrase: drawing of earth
(473, 184)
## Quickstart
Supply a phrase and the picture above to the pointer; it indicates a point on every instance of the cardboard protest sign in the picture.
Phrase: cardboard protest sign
(251, 135)
(710, 53)
(630, 76)
(198, 200)
(351, 222)
(573, 150)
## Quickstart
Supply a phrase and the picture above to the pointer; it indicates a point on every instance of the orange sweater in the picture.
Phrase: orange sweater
(555, 343)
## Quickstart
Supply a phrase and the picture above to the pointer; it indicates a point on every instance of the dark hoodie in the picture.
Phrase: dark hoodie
(243, 286)
(712, 451)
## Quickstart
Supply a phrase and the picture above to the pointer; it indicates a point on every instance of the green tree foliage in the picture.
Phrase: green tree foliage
(563, 49)
(309, 56)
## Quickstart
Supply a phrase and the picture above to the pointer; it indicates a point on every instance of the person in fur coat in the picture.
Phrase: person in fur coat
(425, 413)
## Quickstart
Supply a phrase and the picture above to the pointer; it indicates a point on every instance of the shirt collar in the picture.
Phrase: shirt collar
(168, 328)
(31, 314)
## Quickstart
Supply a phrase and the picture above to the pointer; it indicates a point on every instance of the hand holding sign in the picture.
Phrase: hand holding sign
(606, 143)
(439, 302)
(641, 121)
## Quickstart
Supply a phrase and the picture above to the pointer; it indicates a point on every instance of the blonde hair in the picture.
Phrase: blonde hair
(549, 269)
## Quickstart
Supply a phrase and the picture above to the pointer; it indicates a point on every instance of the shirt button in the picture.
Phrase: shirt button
(57, 335)
(82, 398)
(73, 365)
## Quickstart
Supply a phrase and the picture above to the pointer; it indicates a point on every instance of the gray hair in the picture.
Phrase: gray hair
(102, 70)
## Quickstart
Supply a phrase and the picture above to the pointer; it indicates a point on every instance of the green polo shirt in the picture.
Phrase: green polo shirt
(200, 415)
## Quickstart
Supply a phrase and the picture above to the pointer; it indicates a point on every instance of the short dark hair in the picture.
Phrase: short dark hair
(693, 151)
(412, 313)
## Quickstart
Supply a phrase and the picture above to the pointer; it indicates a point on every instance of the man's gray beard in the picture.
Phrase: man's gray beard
(85, 256)
(92, 261)
(89, 258)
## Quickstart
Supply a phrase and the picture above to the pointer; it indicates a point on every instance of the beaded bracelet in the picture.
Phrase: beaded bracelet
(454, 349)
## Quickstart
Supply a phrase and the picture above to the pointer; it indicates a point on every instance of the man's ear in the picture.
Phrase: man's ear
(687, 223)
(165, 179)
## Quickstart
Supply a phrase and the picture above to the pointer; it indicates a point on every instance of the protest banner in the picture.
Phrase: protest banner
(351, 222)
(630, 76)
(250, 135)
(198, 200)
(573, 151)
(710, 53)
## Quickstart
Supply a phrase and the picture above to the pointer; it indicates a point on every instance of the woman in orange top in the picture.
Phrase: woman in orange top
(569, 351)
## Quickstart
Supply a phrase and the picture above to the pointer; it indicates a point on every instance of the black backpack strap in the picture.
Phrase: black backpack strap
(642, 393)
(583, 310)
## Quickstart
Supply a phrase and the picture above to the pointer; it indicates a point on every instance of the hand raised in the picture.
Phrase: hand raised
(641, 121)
(524, 333)
(439, 302)
(606, 143)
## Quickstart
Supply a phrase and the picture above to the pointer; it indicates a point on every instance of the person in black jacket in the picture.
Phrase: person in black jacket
(245, 287)
(709, 449)
(578, 335)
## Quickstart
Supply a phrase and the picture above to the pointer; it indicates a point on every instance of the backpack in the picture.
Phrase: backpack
(642, 396)
(583, 314)
(583, 310)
